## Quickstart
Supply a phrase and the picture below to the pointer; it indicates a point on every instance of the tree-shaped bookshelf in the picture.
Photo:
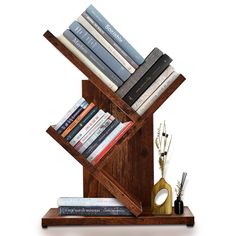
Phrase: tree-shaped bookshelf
(126, 171)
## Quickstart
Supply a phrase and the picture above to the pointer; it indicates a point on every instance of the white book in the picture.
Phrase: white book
(96, 134)
(80, 201)
(157, 93)
(87, 127)
(69, 113)
(153, 87)
(105, 44)
(88, 63)
(105, 142)
(95, 127)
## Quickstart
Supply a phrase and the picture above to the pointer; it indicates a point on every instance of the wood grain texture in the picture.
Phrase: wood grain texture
(130, 162)
(105, 179)
(52, 218)
(92, 77)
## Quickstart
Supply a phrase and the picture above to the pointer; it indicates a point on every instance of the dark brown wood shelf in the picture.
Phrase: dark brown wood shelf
(126, 170)
(53, 219)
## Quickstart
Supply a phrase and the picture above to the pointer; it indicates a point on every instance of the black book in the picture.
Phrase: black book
(100, 138)
(141, 86)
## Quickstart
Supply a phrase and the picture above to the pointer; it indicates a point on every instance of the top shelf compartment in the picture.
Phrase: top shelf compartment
(113, 97)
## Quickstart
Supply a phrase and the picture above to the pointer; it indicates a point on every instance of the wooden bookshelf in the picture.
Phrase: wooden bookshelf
(52, 218)
(126, 171)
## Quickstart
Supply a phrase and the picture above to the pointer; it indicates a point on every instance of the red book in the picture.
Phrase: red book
(113, 142)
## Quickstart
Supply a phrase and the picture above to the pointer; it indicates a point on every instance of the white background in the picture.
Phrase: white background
(38, 85)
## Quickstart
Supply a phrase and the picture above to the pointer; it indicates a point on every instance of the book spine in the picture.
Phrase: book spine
(80, 201)
(110, 40)
(140, 87)
(113, 33)
(68, 114)
(100, 138)
(93, 62)
(87, 127)
(98, 156)
(79, 31)
(105, 142)
(91, 131)
(105, 44)
(96, 134)
(150, 60)
(81, 124)
(73, 116)
(157, 93)
(77, 120)
(93, 211)
(153, 87)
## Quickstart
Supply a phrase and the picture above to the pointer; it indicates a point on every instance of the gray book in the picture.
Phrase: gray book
(140, 72)
(81, 33)
(92, 57)
(106, 26)
(110, 40)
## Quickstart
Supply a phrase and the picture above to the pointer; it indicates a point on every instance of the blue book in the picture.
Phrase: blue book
(72, 117)
(92, 57)
(81, 33)
(81, 124)
(117, 37)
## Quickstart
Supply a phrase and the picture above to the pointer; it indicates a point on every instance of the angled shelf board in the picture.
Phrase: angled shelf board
(53, 219)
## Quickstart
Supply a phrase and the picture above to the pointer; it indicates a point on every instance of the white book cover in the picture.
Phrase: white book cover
(157, 93)
(87, 127)
(105, 142)
(80, 201)
(96, 134)
(69, 113)
(153, 87)
(105, 44)
(88, 63)
(95, 127)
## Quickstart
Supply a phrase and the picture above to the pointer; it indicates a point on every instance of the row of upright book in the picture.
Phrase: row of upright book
(90, 130)
(138, 81)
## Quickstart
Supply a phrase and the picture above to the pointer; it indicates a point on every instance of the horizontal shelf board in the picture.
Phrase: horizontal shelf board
(92, 77)
(130, 201)
(53, 219)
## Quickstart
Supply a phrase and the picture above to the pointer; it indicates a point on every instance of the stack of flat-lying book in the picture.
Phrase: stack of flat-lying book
(78, 206)
(138, 81)
(90, 130)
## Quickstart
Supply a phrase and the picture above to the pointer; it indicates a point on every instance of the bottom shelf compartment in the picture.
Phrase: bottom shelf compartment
(53, 219)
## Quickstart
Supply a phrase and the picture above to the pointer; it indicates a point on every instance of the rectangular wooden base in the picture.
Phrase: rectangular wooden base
(53, 219)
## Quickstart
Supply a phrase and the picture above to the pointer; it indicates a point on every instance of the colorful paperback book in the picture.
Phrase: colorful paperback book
(92, 130)
(69, 113)
(78, 119)
(96, 134)
(81, 33)
(87, 127)
(100, 138)
(72, 117)
(105, 142)
(112, 32)
(81, 124)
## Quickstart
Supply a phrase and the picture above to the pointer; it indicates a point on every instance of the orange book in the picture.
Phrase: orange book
(77, 120)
